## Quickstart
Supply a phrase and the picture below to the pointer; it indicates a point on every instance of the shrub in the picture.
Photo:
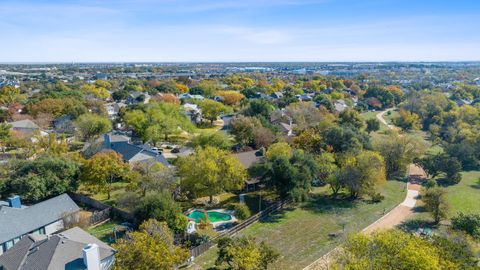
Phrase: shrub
(241, 210)
(377, 197)
(469, 223)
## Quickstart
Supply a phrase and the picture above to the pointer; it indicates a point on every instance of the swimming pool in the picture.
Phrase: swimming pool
(213, 216)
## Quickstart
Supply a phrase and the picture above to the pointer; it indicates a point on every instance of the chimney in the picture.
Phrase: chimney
(15, 202)
(91, 257)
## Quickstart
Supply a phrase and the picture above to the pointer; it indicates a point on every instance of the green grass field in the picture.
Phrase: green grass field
(373, 115)
(465, 196)
(301, 234)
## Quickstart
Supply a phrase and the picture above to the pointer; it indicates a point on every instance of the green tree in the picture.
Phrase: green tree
(162, 207)
(41, 178)
(5, 134)
(102, 170)
(291, 176)
(352, 118)
(10, 95)
(151, 247)
(469, 223)
(362, 173)
(214, 139)
(279, 149)
(372, 125)
(436, 203)
(398, 152)
(153, 177)
(407, 120)
(243, 129)
(210, 171)
(244, 254)
(158, 120)
(90, 126)
(212, 109)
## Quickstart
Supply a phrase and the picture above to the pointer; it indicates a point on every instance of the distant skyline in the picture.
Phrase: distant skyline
(239, 31)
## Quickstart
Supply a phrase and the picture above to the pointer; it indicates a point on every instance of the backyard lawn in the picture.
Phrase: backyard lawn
(301, 234)
(465, 196)
(105, 232)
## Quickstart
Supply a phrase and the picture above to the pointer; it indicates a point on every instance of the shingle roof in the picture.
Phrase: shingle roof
(17, 222)
(137, 153)
(248, 158)
(62, 251)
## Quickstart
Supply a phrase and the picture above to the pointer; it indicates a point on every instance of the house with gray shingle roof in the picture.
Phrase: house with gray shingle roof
(73, 249)
(132, 153)
(45, 217)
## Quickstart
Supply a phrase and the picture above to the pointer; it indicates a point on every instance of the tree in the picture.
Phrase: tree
(291, 176)
(151, 247)
(210, 171)
(157, 121)
(231, 98)
(153, 177)
(469, 223)
(90, 126)
(10, 95)
(395, 249)
(120, 95)
(452, 168)
(352, 118)
(243, 129)
(430, 164)
(213, 139)
(326, 166)
(309, 140)
(436, 203)
(212, 109)
(262, 137)
(162, 207)
(102, 170)
(398, 152)
(433, 165)
(244, 253)
(41, 178)
(5, 134)
(345, 139)
(407, 120)
(362, 173)
(372, 125)
(97, 91)
(260, 107)
(280, 149)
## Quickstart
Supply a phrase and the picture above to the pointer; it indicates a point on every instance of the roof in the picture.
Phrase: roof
(136, 153)
(61, 251)
(19, 221)
(248, 158)
(24, 124)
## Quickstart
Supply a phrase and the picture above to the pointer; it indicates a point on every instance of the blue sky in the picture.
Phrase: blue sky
(243, 30)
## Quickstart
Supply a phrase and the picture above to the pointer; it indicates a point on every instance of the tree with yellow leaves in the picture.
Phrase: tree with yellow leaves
(151, 247)
(210, 171)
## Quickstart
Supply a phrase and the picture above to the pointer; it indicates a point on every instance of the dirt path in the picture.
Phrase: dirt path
(393, 218)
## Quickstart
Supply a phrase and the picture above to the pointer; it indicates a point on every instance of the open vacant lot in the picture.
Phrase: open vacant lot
(301, 234)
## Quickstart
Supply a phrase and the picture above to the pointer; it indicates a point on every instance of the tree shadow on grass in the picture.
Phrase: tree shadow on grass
(322, 203)
(475, 186)
(276, 216)
(419, 209)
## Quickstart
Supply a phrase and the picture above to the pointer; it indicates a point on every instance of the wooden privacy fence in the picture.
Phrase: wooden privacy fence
(102, 211)
(198, 250)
